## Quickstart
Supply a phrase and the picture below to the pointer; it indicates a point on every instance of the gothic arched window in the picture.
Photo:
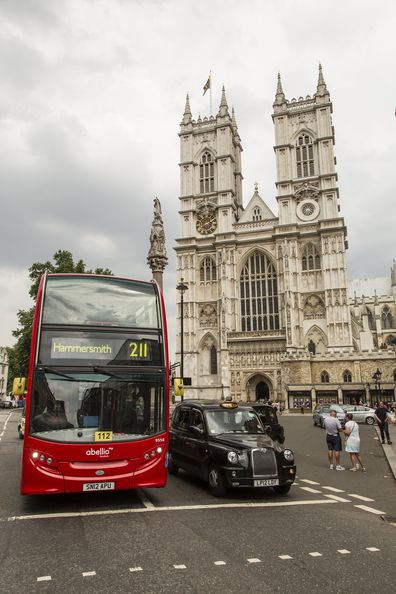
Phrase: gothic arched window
(310, 259)
(259, 294)
(324, 377)
(257, 214)
(213, 360)
(206, 174)
(304, 156)
(347, 376)
(207, 271)
(386, 318)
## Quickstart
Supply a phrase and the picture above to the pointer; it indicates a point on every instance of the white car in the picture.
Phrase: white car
(361, 413)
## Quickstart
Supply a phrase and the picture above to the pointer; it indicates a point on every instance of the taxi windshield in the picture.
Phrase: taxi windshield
(233, 421)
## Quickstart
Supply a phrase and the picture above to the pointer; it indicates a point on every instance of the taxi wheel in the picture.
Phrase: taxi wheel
(217, 484)
(172, 468)
(282, 489)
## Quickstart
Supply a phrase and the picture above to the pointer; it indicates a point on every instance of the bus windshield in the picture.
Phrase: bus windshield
(71, 406)
(93, 301)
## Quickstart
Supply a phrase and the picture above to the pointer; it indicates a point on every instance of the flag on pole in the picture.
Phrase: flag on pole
(207, 85)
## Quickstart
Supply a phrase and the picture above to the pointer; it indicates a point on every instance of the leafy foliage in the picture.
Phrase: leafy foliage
(19, 354)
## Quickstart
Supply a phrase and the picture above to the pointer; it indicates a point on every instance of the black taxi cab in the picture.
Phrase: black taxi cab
(225, 444)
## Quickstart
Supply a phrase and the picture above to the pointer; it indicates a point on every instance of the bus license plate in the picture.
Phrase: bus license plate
(266, 483)
(98, 486)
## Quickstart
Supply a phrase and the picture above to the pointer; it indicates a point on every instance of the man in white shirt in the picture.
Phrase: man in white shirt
(333, 440)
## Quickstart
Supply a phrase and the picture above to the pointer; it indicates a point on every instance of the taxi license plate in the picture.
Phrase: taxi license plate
(98, 486)
(266, 483)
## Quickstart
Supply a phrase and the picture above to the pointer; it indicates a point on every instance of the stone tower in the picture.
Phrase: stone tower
(210, 204)
(311, 236)
(157, 258)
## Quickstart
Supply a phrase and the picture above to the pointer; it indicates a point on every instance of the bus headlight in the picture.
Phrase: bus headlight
(232, 457)
(288, 454)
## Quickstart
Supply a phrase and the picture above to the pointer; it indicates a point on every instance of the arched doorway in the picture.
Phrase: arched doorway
(262, 391)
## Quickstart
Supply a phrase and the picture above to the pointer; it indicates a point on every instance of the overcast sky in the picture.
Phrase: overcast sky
(92, 93)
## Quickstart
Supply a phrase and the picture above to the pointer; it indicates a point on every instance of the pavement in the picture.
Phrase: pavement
(390, 450)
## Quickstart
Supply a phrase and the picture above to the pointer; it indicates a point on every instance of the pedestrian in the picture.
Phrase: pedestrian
(381, 414)
(352, 444)
(333, 440)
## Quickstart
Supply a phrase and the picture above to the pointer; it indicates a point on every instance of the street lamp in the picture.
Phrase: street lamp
(377, 381)
(182, 287)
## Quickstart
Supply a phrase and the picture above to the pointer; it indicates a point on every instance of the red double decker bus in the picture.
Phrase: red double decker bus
(97, 408)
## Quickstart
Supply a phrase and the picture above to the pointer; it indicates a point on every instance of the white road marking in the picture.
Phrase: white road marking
(310, 490)
(253, 560)
(316, 554)
(343, 551)
(44, 578)
(372, 549)
(334, 489)
(88, 573)
(285, 557)
(148, 504)
(337, 498)
(154, 509)
(359, 497)
(180, 567)
(309, 482)
(132, 569)
(370, 509)
(219, 562)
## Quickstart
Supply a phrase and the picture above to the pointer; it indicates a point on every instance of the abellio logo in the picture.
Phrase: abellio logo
(99, 452)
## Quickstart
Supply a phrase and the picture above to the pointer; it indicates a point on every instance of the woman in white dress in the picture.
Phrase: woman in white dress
(352, 445)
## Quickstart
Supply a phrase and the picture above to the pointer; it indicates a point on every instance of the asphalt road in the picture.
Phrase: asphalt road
(327, 535)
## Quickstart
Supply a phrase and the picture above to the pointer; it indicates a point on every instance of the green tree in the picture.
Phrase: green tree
(19, 354)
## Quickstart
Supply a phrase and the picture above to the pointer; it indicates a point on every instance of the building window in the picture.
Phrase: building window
(213, 360)
(206, 174)
(207, 272)
(257, 214)
(310, 258)
(386, 318)
(324, 377)
(259, 294)
(394, 375)
(347, 377)
(304, 156)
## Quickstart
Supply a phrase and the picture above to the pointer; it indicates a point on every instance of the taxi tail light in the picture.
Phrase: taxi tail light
(45, 461)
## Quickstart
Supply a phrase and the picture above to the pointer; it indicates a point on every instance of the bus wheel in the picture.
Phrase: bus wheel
(217, 483)
(172, 468)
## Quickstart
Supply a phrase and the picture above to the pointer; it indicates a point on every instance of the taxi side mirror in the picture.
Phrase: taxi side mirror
(197, 431)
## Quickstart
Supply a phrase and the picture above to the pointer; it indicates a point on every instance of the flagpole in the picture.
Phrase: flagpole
(210, 89)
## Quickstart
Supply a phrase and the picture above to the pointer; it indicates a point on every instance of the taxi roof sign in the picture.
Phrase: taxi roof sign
(229, 404)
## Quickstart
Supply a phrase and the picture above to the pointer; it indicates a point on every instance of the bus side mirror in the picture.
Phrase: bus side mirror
(178, 386)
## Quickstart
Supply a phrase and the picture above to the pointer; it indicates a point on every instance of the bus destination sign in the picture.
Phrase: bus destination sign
(100, 349)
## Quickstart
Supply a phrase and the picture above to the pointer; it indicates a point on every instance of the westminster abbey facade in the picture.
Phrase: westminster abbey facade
(268, 312)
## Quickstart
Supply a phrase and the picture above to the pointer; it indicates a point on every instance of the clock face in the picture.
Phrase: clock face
(308, 210)
(206, 223)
